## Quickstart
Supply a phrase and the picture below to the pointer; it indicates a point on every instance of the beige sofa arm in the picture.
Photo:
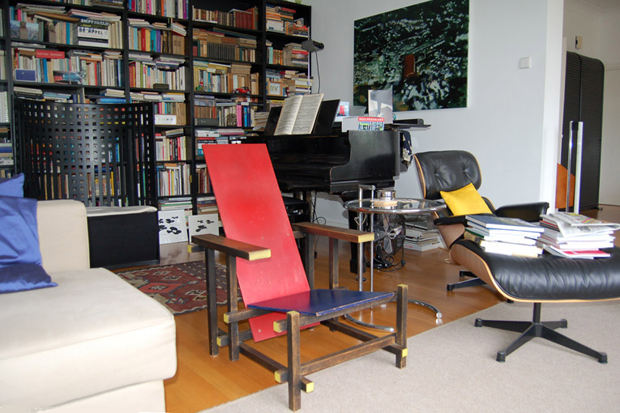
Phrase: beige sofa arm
(63, 235)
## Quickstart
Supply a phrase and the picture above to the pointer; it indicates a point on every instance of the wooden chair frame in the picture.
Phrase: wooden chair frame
(295, 371)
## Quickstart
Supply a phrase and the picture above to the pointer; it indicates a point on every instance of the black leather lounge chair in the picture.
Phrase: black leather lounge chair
(449, 171)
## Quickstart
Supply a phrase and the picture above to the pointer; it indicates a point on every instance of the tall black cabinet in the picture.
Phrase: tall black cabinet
(583, 102)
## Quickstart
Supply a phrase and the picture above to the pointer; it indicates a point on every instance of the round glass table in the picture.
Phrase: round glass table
(394, 206)
(401, 206)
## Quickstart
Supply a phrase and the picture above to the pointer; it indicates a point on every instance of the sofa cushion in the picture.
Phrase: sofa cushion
(12, 186)
(20, 257)
(91, 334)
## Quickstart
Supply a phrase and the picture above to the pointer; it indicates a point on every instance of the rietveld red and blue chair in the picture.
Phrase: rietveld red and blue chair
(276, 287)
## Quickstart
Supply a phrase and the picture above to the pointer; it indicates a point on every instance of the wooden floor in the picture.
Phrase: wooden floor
(203, 381)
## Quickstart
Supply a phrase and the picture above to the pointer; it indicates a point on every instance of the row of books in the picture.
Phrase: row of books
(157, 37)
(563, 234)
(282, 20)
(22, 92)
(210, 111)
(171, 148)
(218, 136)
(242, 19)
(79, 67)
(173, 179)
(27, 12)
(146, 72)
(177, 9)
(84, 33)
(204, 187)
(4, 112)
(287, 82)
(2, 65)
(224, 45)
(216, 77)
(6, 153)
(56, 25)
(5, 137)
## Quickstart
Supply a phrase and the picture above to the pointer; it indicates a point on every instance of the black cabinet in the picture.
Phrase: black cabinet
(583, 102)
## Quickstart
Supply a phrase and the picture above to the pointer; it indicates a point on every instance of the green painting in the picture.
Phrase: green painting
(420, 52)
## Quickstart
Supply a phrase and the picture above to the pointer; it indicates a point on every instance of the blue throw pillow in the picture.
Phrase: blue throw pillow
(12, 186)
(23, 277)
(20, 256)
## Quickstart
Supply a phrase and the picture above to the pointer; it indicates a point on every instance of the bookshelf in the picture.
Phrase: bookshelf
(207, 66)
(6, 143)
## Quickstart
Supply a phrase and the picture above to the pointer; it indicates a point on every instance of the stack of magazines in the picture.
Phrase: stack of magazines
(572, 235)
(508, 236)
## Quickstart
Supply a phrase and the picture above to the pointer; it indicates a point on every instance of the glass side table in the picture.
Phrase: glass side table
(393, 206)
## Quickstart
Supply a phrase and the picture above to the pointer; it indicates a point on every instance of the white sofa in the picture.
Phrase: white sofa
(94, 343)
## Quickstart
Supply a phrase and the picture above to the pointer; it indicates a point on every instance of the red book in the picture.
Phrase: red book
(49, 54)
(143, 34)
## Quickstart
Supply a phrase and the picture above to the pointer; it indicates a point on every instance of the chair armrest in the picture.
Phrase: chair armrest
(231, 247)
(344, 234)
(451, 220)
(63, 235)
(528, 212)
(335, 234)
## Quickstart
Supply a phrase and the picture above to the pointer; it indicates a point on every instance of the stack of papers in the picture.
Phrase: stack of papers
(573, 235)
(508, 236)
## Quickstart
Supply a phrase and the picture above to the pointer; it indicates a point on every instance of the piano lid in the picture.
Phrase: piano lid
(335, 163)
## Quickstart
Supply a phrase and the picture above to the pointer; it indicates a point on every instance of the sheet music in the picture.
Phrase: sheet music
(288, 115)
(299, 114)
(306, 116)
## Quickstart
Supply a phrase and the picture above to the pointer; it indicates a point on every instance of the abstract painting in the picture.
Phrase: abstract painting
(419, 51)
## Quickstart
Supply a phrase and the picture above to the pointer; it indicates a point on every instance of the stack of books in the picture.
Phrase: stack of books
(573, 235)
(508, 236)
(418, 238)
(89, 32)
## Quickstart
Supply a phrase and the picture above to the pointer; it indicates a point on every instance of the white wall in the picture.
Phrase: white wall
(600, 30)
(511, 122)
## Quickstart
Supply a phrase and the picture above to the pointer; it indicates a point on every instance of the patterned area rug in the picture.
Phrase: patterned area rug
(180, 287)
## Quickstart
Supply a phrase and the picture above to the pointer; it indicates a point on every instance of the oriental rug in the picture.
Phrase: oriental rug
(180, 287)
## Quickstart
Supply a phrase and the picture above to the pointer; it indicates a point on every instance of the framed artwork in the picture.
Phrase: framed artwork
(419, 51)
(203, 224)
(172, 226)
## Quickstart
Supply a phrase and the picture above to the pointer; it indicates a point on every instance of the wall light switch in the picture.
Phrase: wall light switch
(525, 63)
(578, 42)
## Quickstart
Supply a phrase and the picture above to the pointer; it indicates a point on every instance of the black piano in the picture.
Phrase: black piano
(336, 163)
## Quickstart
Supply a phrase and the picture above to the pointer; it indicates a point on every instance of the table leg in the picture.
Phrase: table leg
(360, 274)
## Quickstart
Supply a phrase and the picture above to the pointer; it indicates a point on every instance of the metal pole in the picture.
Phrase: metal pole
(568, 165)
(578, 167)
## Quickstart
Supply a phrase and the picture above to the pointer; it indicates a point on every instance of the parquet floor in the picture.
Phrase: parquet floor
(203, 381)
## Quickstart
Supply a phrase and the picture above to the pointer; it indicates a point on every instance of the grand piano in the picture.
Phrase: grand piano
(335, 163)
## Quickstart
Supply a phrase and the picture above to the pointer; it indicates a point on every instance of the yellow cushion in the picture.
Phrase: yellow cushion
(465, 201)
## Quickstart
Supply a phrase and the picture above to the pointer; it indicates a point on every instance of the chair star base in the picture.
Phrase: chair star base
(536, 328)
(472, 282)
